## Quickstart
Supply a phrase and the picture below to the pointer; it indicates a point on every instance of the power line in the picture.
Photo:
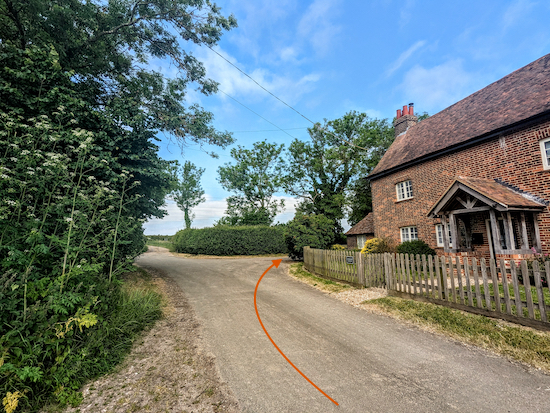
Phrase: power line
(280, 100)
(248, 76)
(266, 130)
(257, 114)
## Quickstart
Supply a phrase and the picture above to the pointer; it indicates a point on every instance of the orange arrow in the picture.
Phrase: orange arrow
(276, 264)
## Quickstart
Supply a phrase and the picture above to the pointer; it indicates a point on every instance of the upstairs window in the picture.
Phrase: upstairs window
(409, 234)
(404, 190)
(545, 150)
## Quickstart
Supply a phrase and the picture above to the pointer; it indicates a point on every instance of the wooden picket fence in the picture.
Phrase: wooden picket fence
(505, 290)
(346, 265)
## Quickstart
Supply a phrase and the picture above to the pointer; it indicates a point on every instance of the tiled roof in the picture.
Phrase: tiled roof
(498, 195)
(365, 226)
(501, 194)
(518, 96)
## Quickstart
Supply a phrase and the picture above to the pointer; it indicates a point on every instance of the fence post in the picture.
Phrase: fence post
(387, 270)
(360, 269)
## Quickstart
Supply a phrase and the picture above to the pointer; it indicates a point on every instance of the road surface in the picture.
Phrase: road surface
(366, 362)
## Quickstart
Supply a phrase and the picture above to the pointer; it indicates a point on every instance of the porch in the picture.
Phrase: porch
(488, 218)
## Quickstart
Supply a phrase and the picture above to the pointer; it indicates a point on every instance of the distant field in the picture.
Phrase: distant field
(160, 243)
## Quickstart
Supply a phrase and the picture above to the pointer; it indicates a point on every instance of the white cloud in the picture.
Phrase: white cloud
(403, 57)
(438, 87)
(316, 26)
(236, 84)
(515, 12)
(406, 12)
(206, 214)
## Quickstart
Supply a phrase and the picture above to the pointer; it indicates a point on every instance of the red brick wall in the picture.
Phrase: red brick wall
(514, 158)
(352, 241)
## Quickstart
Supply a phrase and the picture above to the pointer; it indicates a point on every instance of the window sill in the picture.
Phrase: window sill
(406, 199)
(540, 171)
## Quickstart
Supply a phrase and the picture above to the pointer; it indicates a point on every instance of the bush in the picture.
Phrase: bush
(230, 240)
(415, 247)
(338, 247)
(378, 246)
(315, 231)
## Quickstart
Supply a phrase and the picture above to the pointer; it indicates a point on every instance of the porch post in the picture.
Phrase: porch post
(454, 232)
(511, 243)
(445, 233)
(496, 232)
(524, 236)
(537, 233)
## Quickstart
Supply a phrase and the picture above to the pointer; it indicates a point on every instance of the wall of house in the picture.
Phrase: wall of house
(352, 241)
(515, 158)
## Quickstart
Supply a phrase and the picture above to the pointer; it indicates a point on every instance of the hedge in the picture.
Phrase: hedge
(231, 240)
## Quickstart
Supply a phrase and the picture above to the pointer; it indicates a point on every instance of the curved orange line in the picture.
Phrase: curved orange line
(278, 349)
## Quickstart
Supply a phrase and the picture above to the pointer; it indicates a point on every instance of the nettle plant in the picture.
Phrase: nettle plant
(62, 226)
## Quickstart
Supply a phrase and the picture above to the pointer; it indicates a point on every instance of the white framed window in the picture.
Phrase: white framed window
(404, 190)
(439, 236)
(545, 151)
(361, 239)
(409, 234)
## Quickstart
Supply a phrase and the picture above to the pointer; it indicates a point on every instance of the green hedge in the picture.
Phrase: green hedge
(230, 240)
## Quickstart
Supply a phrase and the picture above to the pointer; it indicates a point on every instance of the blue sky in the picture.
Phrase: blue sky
(327, 57)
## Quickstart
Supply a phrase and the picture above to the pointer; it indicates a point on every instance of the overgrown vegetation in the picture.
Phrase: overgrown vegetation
(378, 246)
(520, 343)
(230, 240)
(315, 231)
(415, 247)
(79, 173)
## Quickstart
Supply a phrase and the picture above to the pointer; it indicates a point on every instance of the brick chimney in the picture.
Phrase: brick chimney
(405, 119)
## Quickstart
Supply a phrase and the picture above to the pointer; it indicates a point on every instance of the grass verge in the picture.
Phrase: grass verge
(139, 304)
(298, 272)
(520, 343)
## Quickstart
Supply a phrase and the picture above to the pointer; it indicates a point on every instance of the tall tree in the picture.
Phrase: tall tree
(188, 192)
(255, 177)
(106, 46)
(322, 169)
(380, 136)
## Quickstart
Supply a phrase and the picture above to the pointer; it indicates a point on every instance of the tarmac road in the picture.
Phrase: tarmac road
(367, 363)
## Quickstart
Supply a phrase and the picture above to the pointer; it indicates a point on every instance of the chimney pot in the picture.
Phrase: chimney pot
(398, 113)
(411, 108)
(405, 110)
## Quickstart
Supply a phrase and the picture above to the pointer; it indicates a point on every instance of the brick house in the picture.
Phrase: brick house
(473, 179)
(361, 232)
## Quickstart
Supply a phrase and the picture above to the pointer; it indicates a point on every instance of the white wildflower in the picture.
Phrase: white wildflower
(68, 219)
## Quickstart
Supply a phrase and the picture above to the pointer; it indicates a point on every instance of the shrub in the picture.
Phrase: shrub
(415, 247)
(338, 247)
(315, 231)
(230, 240)
(378, 246)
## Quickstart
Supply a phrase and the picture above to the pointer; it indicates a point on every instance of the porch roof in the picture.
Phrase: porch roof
(365, 226)
(491, 192)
